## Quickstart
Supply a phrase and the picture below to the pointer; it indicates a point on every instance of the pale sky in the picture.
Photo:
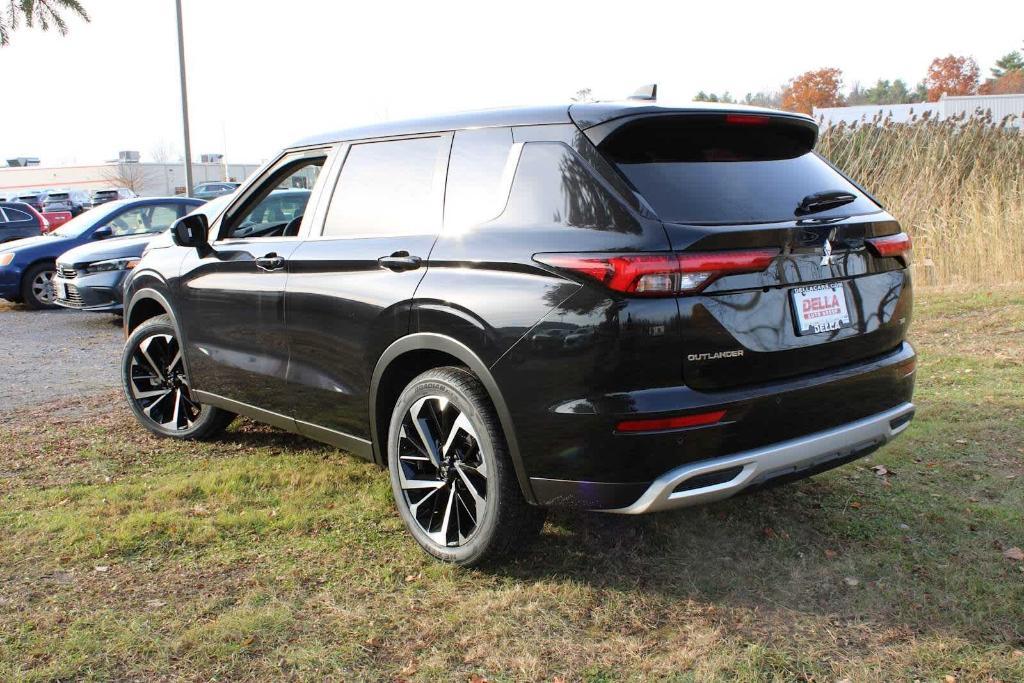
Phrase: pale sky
(264, 73)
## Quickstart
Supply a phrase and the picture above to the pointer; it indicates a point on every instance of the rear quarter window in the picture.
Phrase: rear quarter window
(708, 170)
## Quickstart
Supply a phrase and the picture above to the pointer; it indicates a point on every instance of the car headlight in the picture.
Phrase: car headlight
(112, 264)
(5, 259)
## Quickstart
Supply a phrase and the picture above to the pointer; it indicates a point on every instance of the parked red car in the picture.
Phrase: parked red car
(54, 219)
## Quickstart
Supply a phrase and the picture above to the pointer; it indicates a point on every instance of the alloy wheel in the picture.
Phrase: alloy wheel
(442, 471)
(158, 384)
(42, 286)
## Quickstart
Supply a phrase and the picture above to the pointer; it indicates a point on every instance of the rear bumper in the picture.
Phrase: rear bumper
(710, 480)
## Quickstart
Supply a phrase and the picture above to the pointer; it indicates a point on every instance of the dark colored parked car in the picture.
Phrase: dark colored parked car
(112, 195)
(19, 220)
(27, 266)
(72, 201)
(34, 198)
(213, 190)
(616, 306)
(91, 277)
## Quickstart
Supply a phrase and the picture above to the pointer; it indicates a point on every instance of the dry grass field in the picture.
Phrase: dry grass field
(264, 555)
(957, 187)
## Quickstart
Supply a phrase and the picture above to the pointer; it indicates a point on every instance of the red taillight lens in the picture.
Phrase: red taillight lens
(891, 245)
(746, 119)
(663, 423)
(663, 274)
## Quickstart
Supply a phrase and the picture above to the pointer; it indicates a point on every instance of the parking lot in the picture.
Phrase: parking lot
(55, 356)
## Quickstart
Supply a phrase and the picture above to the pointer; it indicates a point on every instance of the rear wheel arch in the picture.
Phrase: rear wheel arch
(414, 354)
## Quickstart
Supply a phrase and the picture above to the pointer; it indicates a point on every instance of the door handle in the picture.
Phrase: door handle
(270, 262)
(400, 261)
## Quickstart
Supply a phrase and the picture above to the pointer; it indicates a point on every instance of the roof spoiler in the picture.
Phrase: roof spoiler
(646, 92)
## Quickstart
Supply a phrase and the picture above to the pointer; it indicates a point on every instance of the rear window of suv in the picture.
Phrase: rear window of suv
(726, 169)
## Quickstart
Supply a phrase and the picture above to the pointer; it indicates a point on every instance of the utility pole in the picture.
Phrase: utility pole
(184, 103)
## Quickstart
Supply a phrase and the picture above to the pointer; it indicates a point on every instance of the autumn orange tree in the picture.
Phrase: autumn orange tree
(952, 75)
(813, 89)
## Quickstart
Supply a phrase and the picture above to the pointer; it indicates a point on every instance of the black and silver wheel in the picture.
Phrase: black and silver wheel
(452, 479)
(37, 286)
(157, 387)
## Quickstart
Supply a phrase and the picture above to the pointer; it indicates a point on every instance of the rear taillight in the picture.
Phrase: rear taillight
(661, 274)
(891, 245)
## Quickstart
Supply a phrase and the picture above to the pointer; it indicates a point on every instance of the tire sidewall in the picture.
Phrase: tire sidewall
(430, 384)
(159, 325)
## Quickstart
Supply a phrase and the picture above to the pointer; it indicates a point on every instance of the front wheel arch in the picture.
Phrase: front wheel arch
(429, 343)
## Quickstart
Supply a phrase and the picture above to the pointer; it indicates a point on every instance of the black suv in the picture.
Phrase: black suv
(615, 306)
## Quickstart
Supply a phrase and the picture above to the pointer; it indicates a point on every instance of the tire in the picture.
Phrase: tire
(154, 382)
(455, 415)
(36, 287)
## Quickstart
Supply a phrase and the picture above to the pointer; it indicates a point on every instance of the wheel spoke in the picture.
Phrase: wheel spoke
(441, 536)
(423, 430)
(144, 350)
(478, 500)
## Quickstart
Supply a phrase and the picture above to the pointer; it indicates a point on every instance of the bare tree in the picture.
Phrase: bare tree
(583, 95)
(164, 152)
(130, 176)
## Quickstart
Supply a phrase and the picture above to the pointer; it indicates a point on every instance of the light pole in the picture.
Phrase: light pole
(184, 103)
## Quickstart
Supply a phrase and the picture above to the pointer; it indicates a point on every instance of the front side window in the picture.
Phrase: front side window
(277, 207)
(144, 219)
(389, 188)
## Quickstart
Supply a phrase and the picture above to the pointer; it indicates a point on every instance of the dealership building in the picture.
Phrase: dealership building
(146, 179)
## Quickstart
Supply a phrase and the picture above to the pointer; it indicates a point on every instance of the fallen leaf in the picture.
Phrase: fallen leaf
(768, 532)
(851, 581)
(949, 679)
(155, 603)
(882, 470)
(1017, 654)
(477, 678)
(409, 669)
(856, 505)
(1014, 553)
(102, 568)
(830, 554)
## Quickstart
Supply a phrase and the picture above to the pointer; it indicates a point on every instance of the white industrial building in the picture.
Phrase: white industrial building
(1000, 107)
(146, 179)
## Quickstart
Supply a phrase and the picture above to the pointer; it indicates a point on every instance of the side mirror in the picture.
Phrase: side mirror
(192, 230)
(102, 233)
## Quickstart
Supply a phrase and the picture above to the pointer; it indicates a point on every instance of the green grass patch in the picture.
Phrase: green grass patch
(264, 555)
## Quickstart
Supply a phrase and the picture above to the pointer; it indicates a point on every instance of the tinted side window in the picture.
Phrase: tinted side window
(14, 215)
(475, 174)
(389, 188)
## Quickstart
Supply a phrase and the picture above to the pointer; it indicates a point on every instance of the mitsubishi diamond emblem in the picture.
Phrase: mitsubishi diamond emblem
(826, 250)
(826, 257)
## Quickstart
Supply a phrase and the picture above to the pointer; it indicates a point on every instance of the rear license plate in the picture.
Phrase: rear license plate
(821, 308)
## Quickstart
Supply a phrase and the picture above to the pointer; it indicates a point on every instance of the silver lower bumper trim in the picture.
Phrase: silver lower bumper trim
(780, 458)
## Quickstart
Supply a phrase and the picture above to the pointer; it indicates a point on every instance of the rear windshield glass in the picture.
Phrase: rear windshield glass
(726, 170)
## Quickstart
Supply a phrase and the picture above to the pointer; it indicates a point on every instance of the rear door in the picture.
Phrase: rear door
(231, 299)
(786, 275)
(351, 284)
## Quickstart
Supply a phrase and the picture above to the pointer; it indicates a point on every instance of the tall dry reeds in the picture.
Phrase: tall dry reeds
(956, 185)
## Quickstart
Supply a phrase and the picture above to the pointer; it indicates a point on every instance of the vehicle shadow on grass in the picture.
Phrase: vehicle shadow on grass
(788, 554)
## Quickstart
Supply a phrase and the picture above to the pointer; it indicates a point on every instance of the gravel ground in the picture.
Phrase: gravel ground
(62, 355)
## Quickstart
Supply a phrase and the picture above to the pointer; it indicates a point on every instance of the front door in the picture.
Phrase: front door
(352, 282)
(232, 299)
